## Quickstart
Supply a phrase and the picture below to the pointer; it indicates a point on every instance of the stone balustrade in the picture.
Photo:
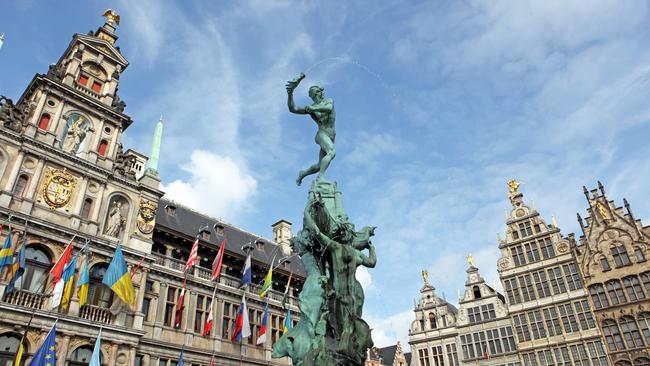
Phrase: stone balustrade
(25, 298)
(96, 314)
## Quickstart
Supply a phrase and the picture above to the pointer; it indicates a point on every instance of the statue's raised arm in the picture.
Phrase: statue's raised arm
(323, 113)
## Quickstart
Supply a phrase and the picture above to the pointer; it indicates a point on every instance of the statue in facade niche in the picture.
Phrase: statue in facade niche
(323, 113)
(331, 331)
(115, 220)
(76, 134)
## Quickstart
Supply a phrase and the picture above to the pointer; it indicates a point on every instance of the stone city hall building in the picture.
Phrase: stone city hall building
(568, 302)
(64, 176)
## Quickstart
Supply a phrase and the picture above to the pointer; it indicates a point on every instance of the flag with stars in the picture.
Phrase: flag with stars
(46, 354)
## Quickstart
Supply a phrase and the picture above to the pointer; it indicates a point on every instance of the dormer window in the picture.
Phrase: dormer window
(205, 235)
(171, 210)
(97, 87)
(83, 80)
(219, 229)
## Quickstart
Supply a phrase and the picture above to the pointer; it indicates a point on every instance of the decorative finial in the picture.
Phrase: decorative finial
(425, 277)
(601, 188)
(112, 17)
(470, 260)
(554, 220)
(513, 185)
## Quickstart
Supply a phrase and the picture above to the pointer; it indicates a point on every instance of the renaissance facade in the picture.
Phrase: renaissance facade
(568, 302)
(65, 177)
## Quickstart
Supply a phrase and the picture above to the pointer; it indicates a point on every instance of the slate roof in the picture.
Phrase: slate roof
(407, 356)
(186, 223)
(388, 354)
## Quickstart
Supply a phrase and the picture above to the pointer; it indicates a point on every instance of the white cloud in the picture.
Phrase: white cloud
(387, 330)
(216, 185)
(365, 278)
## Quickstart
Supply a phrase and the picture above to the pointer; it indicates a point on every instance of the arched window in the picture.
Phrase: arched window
(432, 321)
(644, 326)
(622, 363)
(98, 293)
(103, 146)
(38, 265)
(633, 288)
(21, 184)
(615, 291)
(81, 356)
(642, 361)
(44, 122)
(604, 264)
(85, 209)
(477, 292)
(598, 296)
(612, 335)
(620, 256)
(8, 348)
(630, 332)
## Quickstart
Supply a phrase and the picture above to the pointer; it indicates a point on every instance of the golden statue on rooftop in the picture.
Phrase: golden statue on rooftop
(425, 277)
(470, 260)
(112, 17)
(513, 185)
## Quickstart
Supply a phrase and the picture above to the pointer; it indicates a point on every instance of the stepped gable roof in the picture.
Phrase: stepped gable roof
(187, 222)
(388, 354)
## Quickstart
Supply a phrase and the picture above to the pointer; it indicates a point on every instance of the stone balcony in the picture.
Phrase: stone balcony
(26, 299)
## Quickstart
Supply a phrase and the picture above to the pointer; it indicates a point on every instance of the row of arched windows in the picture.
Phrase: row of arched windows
(39, 263)
(621, 257)
(615, 292)
(627, 333)
(9, 346)
(640, 361)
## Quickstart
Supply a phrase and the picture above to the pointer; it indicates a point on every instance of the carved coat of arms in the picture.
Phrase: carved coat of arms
(146, 216)
(57, 188)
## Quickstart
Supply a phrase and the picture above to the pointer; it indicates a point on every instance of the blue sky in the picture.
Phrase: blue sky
(438, 105)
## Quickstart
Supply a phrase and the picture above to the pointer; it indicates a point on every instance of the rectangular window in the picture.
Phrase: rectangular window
(580, 357)
(568, 318)
(557, 280)
(201, 314)
(146, 304)
(83, 79)
(572, 276)
(524, 229)
(597, 352)
(531, 252)
(584, 314)
(474, 314)
(97, 87)
(424, 357)
(620, 256)
(633, 288)
(546, 245)
(615, 292)
(517, 253)
(228, 319)
(552, 321)
(521, 327)
(170, 305)
(487, 312)
(512, 291)
(537, 324)
(527, 290)
(277, 327)
(545, 357)
(438, 357)
(541, 283)
(452, 355)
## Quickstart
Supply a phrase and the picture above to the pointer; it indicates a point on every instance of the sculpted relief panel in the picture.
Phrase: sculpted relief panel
(116, 217)
(76, 134)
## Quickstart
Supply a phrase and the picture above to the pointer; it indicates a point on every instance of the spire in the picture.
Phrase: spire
(152, 163)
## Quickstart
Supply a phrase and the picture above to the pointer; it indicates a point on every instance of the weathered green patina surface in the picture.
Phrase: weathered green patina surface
(330, 331)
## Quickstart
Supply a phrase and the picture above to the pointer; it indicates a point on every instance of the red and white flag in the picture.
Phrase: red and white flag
(212, 360)
(179, 308)
(218, 260)
(208, 323)
(194, 255)
(57, 272)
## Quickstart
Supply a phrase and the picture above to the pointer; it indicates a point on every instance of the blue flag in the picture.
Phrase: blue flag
(46, 354)
(247, 274)
(94, 359)
(180, 359)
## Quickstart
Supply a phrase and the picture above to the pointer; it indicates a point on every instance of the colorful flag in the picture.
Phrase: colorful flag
(208, 322)
(285, 297)
(242, 325)
(84, 280)
(287, 322)
(178, 317)
(118, 278)
(7, 252)
(95, 358)
(46, 354)
(68, 280)
(216, 264)
(21, 351)
(268, 282)
(18, 267)
(247, 274)
(59, 266)
(212, 360)
(194, 255)
(261, 337)
(180, 359)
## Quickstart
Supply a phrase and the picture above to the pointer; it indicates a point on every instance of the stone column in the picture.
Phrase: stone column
(62, 356)
(168, 255)
(39, 109)
(32, 191)
(54, 123)
(146, 360)
(13, 175)
(113, 355)
(160, 310)
(131, 356)
(98, 203)
(139, 315)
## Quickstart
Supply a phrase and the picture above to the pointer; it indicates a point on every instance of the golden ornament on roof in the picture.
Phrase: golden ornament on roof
(112, 17)
(425, 277)
(513, 185)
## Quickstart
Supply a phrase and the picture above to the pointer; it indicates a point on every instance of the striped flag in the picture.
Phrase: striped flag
(194, 255)
(287, 322)
(212, 360)
(218, 260)
(285, 298)
(118, 278)
(68, 280)
(84, 281)
(242, 325)
(7, 252)
(178, 317)
(247, 274)
(18, 267)
(208, 322)
(268, 282)
(261, 338)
